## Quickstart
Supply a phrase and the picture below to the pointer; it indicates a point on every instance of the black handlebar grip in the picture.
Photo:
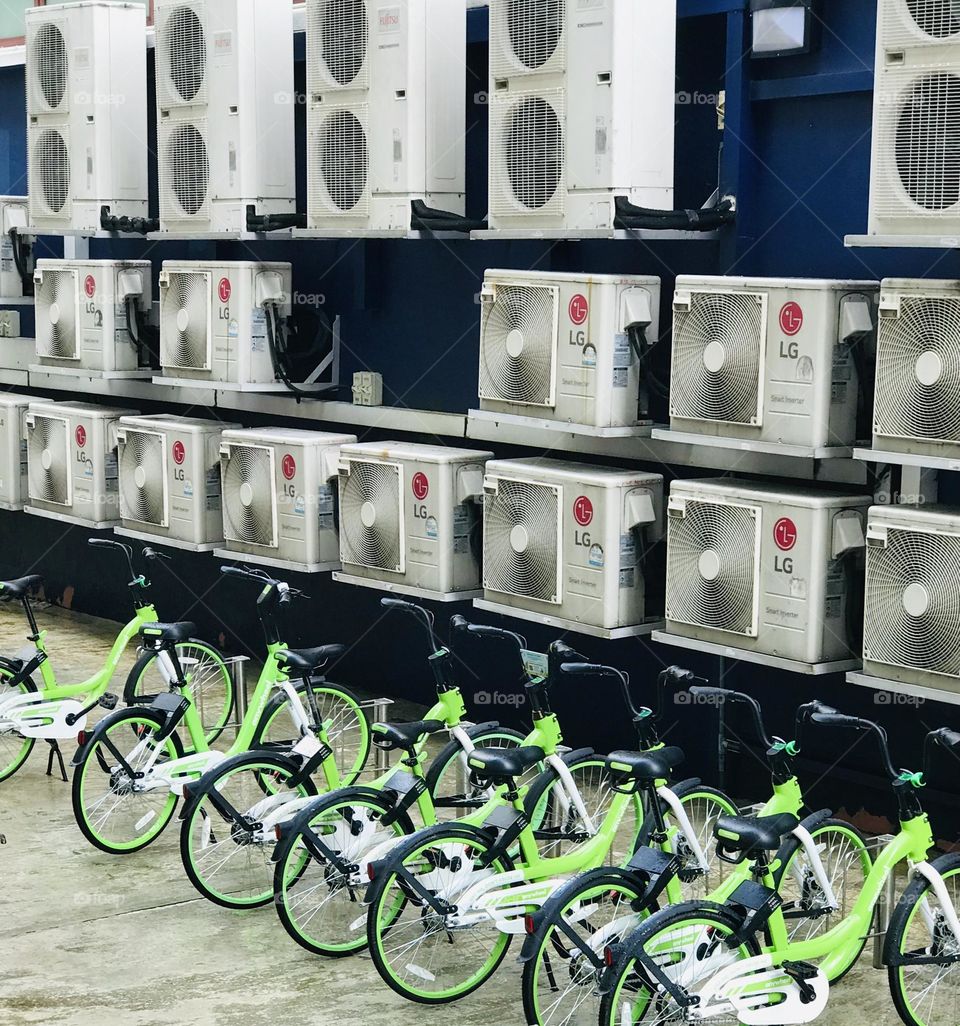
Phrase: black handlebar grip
(486, 632)
(102, 543)
(392, 603)
(816, 706)
(835, 719)
(232, 571)
(583, 669)
(459, 622)
(949, 738)
(708, 691)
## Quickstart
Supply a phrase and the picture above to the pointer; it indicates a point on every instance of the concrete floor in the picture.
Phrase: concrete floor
(87, 938)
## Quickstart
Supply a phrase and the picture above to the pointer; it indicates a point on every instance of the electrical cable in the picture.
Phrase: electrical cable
(20, 259)
(137, 337)
(279, 352)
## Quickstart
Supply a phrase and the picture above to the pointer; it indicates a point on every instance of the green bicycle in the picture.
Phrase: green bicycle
(124, 797)
(710, 961)
(446, 903)
(54, 712)
(563, 954)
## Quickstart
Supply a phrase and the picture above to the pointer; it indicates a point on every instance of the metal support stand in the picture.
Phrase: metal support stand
(55, 753)
(885, 903)
(376, 710)
(237, 667)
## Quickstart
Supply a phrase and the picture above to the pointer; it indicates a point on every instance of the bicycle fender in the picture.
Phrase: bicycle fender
(94, 736)
(683, 785)
(809, 824)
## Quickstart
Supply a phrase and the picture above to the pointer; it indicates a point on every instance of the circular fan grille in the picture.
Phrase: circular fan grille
(186, 52)
(51, 169)
(344, 159)
(47, 460)
(184, 322)
(928, 141)
(535, 28)
(521, 547)
(711, 567)
(937, 18)
(370, 515)
(918, 370)
(188, 167)
(50, 61)
(533, 151)
(57, 305)
(248, 495)
(142, 478)
(716, 358)
(517, 347)
(344, 35)
(913, 602)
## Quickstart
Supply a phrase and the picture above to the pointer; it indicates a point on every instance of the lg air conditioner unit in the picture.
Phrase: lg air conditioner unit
(915, 167)
(13, 450)
(86, 83)
(764, 570)
(13, 218)
(72, 462)
(776, 361)
(572, 545)
(279, 500)
(88, 317)
(917, 403)
(216, 320)
(170, 480)
(911, 630)
(386, 112)
(581, 110)
(410, 518)
(225, 113)
(567, 348)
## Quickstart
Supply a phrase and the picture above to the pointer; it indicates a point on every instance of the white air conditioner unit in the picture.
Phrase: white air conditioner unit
(279, 502)
(215, 320)
(911, 630)
(570, 544)
(764, 568)
(72, 462)
(561, 347)
(13, 450)
(386, 88)
(88, 316)
(86, 81)
(410, 518)
(771, 360)
(915, 168)
(225, 104)
(13, 215)
(170, 480)
(917, 403)
(581, 110)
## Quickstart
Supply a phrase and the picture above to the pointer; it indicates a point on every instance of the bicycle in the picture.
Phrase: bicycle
(446, 903)
(709, 961)
(135, 795)
(53, 712)
(563, 953)
(217, 866)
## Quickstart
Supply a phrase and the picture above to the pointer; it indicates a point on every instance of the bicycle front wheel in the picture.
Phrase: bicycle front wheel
(448, 778)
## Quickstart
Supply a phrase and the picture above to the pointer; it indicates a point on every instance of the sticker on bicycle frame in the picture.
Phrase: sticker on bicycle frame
(535, 664)
(307, 746)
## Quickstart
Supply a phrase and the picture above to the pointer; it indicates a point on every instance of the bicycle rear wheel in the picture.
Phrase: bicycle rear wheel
(15, 749)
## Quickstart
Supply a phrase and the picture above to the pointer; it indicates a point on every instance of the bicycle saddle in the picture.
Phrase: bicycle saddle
(645, 767)
(19, 587)
(501, 764)
(172, 632)
(404, 735)
(305, 660)
(752, 835)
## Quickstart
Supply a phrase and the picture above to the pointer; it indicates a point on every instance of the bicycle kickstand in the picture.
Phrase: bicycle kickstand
(55, 751)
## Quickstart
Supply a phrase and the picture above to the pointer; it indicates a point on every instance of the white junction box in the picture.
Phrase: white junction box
(13, 215)
(13, 449)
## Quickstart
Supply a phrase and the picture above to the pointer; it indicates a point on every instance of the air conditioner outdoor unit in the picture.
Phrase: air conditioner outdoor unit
(225, 106)
(13, 215)
(410, 518)
(215, 320)
(915, 168)
(13, 450)
(581, 110)
(917, 403)
(773, 360)
(72, 462)
(88, 314)
(764, 569)
(170, 480)
(86, 82)
(911, 630)
(563, 347)
(386, 88)
(279, 502)
(571, 545)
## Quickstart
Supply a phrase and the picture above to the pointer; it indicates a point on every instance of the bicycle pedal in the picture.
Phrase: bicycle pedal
(108, 701)
(801, 973)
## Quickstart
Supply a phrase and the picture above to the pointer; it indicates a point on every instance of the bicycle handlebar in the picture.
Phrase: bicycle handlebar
(497, 634)
(287, 594)
(837, 719)
(725, 695)
(583, 669)
(423, 615)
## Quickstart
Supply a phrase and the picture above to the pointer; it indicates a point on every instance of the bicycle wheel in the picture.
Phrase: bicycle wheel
(210, 680)
(561, 979)
(118, 813)
(225, 848)
(418, 949)
(689, 943)
(448, 776)
(703, 806)
(922, 951)
(15, 749)
(847, 865)
(346, 725)
(320, 875)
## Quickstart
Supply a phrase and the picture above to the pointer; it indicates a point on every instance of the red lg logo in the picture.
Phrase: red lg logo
(289, 466)
(81, 435)
(224, 290)
(179, 452)
(785, 534)
(89, 286)
(791, 319)
(420, 485)
(583, 510)
(579, 308)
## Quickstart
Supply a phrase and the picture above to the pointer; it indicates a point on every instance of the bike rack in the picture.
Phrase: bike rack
(885, 903)
(376, 710)
(237, 665)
